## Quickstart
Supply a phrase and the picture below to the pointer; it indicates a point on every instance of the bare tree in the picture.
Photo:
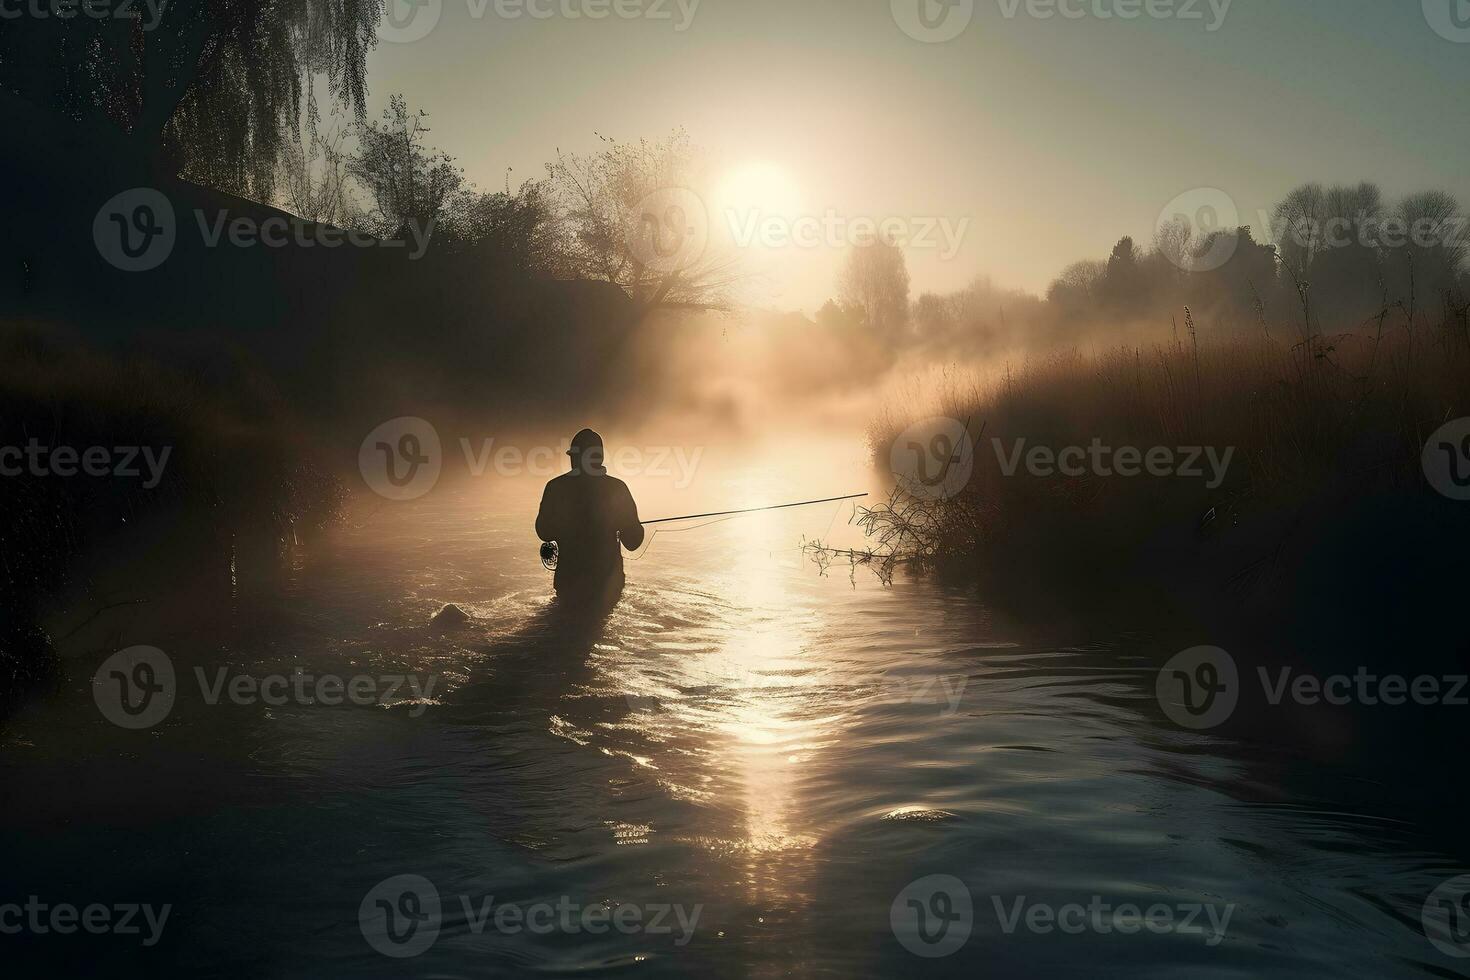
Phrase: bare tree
(876, 280)
(1175, 240)
(1427, 249)
(313, 180)
(1298, 227)
(1312, 221)
(634, 215)
(1078, 284)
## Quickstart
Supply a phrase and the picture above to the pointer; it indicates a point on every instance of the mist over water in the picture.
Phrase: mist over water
(782, 751)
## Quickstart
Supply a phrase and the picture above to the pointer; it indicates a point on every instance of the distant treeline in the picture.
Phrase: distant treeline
(1334, 259)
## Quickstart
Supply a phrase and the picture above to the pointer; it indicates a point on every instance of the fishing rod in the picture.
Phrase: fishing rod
(753, 510)
(549, 549)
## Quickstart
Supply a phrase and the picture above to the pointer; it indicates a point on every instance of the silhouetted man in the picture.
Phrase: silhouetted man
(588, 514)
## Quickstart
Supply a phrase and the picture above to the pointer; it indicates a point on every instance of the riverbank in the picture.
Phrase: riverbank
(1251, 479)
(94, 446)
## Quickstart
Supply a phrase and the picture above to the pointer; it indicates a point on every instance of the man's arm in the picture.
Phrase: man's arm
(547, 522)
(630, 532)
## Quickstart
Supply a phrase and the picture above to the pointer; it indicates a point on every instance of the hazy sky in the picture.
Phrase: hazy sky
(1050, 136)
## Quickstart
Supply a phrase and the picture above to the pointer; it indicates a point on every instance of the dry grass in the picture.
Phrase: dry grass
(1319, 427)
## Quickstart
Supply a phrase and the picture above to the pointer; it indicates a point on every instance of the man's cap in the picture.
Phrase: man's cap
(583, 441)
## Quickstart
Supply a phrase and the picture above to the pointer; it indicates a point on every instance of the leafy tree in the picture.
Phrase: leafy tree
(934, 316)
(521, 229)
(1123, 286)
(410, 183)
(213, 89)
(1247, 278)
(836, 316)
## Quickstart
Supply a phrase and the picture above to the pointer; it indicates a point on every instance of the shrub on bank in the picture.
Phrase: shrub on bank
(91, 443)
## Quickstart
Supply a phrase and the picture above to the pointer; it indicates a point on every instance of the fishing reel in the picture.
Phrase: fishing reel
(549, 554)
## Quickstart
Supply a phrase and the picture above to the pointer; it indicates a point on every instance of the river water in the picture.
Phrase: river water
(760, 765)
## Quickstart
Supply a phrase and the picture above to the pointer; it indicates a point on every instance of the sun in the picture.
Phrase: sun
(759, 188)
